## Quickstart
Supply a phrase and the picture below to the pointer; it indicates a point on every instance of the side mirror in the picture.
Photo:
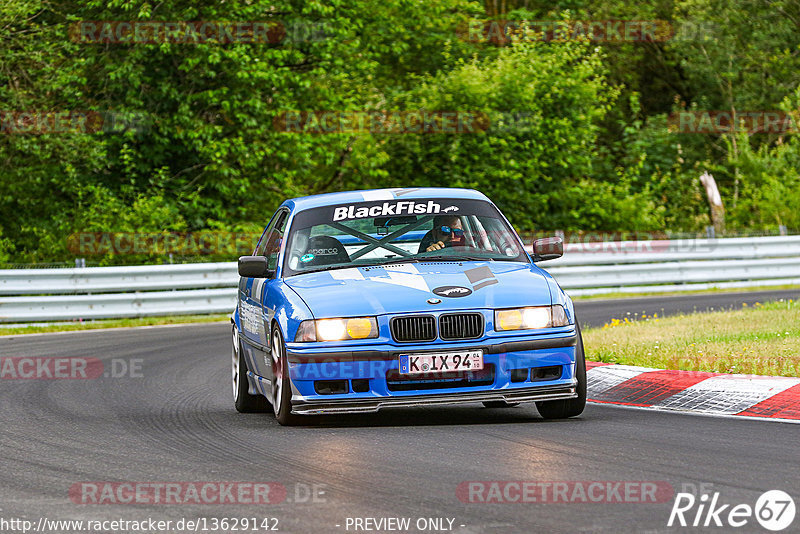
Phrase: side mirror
(548, 248)
(254, 267)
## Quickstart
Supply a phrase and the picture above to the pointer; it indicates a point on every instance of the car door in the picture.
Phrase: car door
(255, 316)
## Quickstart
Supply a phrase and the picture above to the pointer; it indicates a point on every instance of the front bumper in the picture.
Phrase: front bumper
(539, 393)
(374, 368)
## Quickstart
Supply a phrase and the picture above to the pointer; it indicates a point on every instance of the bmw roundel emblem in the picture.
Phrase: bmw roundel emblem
(434, 301)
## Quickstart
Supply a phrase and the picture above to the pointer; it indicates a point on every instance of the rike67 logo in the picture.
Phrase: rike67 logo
(774, 510)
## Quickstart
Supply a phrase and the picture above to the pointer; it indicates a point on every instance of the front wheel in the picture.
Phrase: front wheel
(242, 399)
(561, 409)
(281, 385)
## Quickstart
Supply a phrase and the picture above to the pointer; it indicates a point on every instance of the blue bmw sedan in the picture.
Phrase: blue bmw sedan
(362, 300)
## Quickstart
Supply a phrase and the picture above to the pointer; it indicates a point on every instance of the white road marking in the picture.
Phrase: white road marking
(701, 414)
(727, 394)
(605, 377)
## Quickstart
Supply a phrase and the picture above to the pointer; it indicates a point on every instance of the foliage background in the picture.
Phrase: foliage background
(579, 137)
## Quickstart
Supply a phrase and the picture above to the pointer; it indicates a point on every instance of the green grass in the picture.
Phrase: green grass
(761, 339)
(618, 295)
(111, 323)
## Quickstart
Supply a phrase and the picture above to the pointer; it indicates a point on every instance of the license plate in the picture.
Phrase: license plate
(440, 362)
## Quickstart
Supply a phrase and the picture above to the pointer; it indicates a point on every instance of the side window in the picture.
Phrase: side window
(271, 242)
(258, 251)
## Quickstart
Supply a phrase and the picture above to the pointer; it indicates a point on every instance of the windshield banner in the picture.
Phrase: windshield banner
(403, 207)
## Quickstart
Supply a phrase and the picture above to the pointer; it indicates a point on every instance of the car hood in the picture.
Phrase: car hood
(406, 288)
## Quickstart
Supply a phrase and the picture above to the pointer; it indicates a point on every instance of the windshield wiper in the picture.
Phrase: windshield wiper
(401, 259)
(419, 259)
(455, 257)
(392, 261)
(325, 268)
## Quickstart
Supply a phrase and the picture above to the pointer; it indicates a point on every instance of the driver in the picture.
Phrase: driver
(447, 232)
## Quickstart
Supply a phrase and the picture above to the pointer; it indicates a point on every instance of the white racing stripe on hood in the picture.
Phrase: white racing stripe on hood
(380, 194)
(405, 275)
(347, 274)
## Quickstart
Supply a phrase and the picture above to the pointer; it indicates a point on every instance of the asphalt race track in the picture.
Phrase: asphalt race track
(598, 312)
(173, 421)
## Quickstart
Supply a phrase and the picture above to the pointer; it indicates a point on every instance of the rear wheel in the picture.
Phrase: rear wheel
(561, 409)
(242, 399)
(281, 386)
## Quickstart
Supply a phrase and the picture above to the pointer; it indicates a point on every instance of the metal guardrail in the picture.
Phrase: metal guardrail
(110, 279)
(116, 305)
(621, 252)
(28, 295)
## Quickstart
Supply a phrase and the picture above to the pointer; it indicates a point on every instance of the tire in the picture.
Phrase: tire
(281, 385)
(562, 409)
(242, 399)
(499, 404)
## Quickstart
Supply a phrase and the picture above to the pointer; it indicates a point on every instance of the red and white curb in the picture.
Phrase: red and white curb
(775, 398)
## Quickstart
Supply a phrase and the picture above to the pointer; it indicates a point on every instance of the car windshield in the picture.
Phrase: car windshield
(414, 230)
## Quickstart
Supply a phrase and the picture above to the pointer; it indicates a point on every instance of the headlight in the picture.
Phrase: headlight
(530, 318)
(337, 329)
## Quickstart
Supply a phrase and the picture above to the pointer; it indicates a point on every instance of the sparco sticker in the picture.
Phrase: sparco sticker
(403, 207)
